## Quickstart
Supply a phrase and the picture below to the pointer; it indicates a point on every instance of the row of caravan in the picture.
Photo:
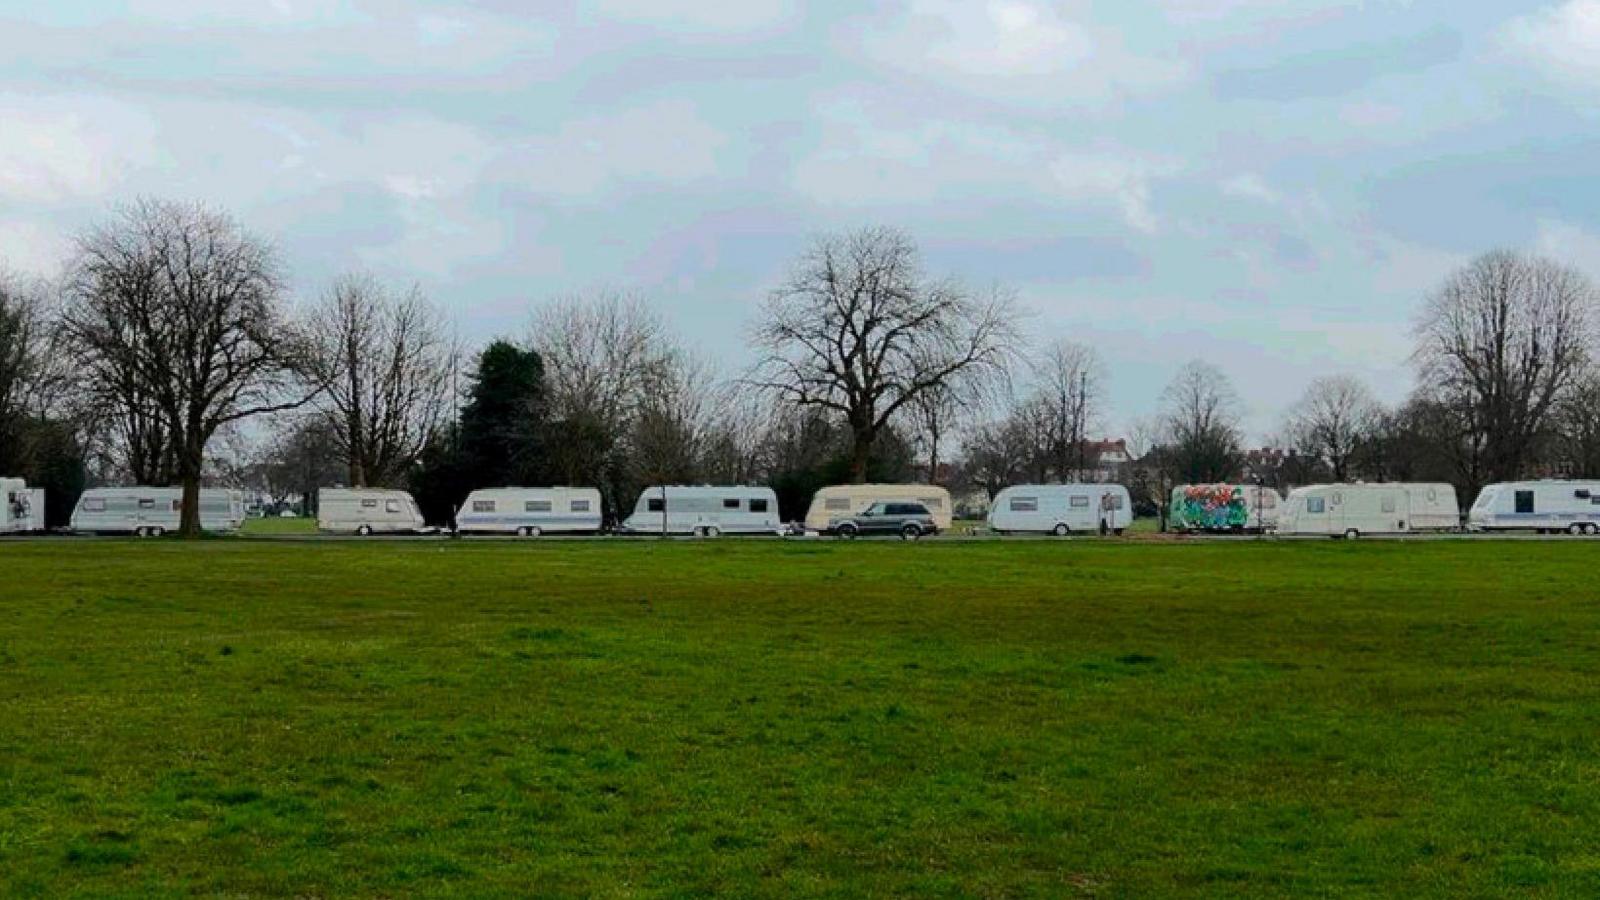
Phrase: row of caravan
(1339, 510)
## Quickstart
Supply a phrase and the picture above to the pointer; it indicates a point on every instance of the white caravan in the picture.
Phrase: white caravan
(842, 500)
(1352, 510)
(21, 507)
(1061, 509)
(367, 511)
(707, 511)
(529, 512)
(1538, 506)
(153, 511)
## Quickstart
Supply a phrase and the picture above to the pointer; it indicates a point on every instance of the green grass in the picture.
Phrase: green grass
(776, 718)
(277, 525)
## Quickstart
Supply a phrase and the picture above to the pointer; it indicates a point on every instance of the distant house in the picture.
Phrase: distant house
(1105, 461)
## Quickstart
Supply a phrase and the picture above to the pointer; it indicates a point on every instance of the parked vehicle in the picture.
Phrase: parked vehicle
(842, 500)
(153, 511)
(704, 511)
(1061, 509)
(908, 519)
(530, 512)
(1224, 507)
(21, 507)
(1352, 510)
(367, 511)
(1538, 506)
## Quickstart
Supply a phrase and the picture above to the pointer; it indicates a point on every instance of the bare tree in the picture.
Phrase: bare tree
(679, 408)
(1200, 424)
(1500, 343)
(21, 361)
(178, 313)
(858, 329)
(1332, 421)
(599, 352)
(1576, 428)
(1070, 391)
(386, 363)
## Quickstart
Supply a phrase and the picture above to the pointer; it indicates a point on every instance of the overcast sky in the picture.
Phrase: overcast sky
(1271, 186)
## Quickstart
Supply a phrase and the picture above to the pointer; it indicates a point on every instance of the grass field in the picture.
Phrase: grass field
(778, 718)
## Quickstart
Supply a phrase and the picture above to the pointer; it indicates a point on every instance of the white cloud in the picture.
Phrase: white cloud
(68, 147)
(664, 142)
(1119, 178)
(871, 158)
(1570, 244)
(702, 16)
(1562, 40)
(1014, 50)
(1250, 186)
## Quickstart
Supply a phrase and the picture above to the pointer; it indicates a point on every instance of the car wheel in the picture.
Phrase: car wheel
(364, 531)
(848, 532)
(1061, 530)
(910, 533)
(1351, 534)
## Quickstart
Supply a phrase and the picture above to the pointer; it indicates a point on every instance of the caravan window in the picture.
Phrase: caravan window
(656, 504)
(146, 503)
(1080, 502)
(483, 506)
(392, 506)
(758, 505)
(837, 503)
(932, 502)
(1024, 504)
(1388, 504)
(369, 503)
(1269, 501)
(96, 504)
(1524, 501)
(730, 504)
(177, 506)
(1113, 501)
(536, 506)
(1581, 494)
(579, 506)
(1316, 505)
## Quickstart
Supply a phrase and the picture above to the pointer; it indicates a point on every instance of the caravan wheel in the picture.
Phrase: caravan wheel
(1574, 529)
(364, 531)
(713, 531)
(157, 531)
(1061, 530)
(1351, 534)
(141, 532)
(1590, 528)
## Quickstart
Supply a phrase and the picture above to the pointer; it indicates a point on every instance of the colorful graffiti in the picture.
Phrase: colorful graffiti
(1210, 507)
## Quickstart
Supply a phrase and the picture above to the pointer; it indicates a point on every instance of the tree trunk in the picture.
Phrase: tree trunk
(189, 518)
(860, 452)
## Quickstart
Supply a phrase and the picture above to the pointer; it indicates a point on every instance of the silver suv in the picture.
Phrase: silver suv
(909, 520)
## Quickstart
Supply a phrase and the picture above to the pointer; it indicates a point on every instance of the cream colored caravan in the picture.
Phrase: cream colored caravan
(845, 500)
